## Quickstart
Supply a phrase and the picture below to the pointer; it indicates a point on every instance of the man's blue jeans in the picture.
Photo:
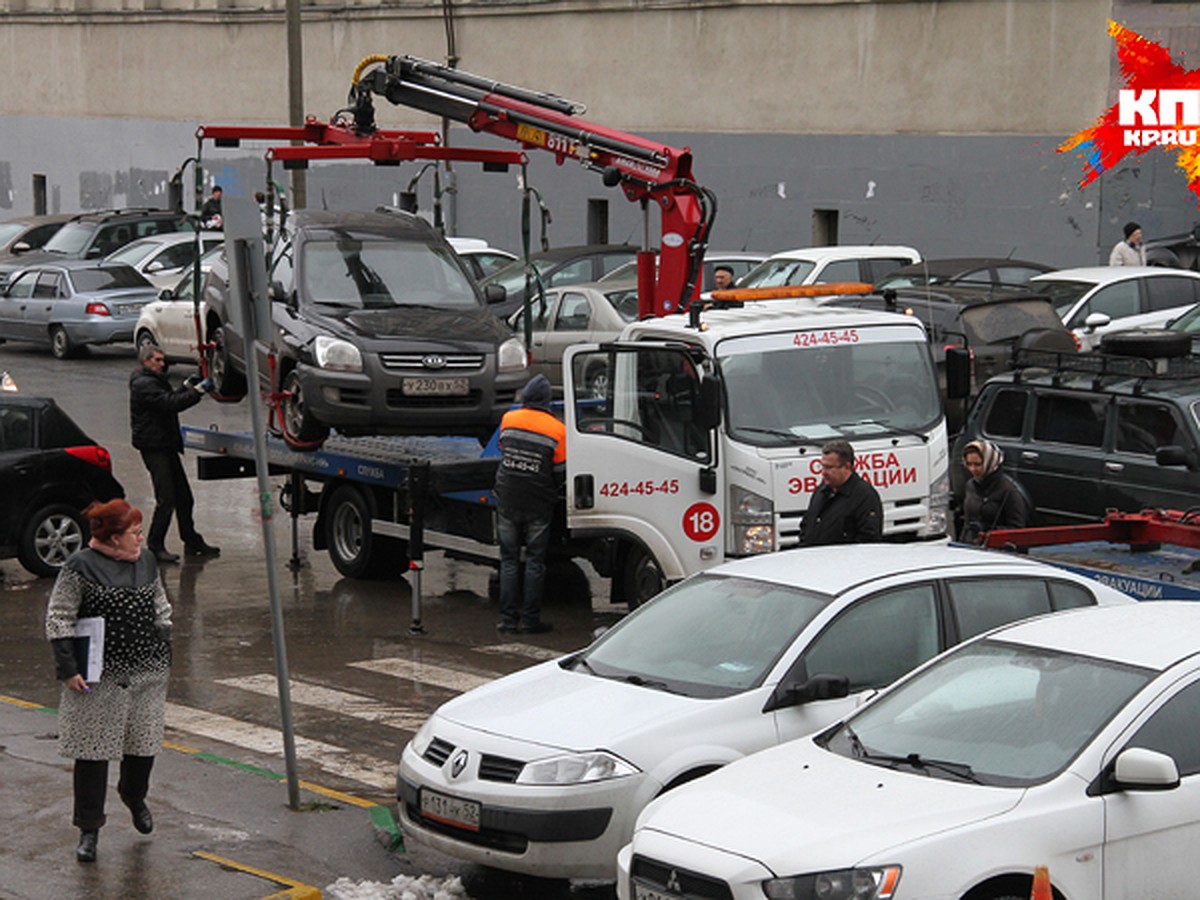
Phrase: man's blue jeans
(517, 607)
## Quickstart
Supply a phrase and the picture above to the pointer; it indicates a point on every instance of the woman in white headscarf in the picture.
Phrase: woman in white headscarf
(992, 498)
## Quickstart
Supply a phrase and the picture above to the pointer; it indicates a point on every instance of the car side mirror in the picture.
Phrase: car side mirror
(958, 372)
(1095, 320)
(1139, 769)
(494, 293)
(708, 404)
(818, 687)
(1171, 455)
(20, 247)
(166, 294)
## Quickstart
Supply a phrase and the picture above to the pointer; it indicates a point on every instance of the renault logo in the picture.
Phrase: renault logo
(673, 883)
(433, 361)
(458, 763)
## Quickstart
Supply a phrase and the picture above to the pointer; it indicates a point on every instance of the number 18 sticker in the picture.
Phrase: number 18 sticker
(701, 521)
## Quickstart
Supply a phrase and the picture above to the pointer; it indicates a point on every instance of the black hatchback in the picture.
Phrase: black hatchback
(49, 471)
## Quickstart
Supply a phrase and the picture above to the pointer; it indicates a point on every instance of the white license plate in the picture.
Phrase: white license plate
(435, 387)
(129, 307)
(641, 892)
(451, 810)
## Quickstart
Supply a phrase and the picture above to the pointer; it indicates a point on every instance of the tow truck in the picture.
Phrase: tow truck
(704, 443)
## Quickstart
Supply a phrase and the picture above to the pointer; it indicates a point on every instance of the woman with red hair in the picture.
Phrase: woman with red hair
(120, 716)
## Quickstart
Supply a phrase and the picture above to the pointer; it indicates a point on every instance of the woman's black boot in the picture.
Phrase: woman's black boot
(86, 851)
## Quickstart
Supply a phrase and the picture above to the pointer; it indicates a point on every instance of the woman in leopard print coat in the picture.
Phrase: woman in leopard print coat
(120, 717)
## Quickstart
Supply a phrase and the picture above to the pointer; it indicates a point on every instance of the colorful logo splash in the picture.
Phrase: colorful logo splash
(1159, 107)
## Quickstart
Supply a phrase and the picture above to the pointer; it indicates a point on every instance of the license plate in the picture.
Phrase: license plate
(641, 892)
(129, 307)
(451, 810)
(435, 387)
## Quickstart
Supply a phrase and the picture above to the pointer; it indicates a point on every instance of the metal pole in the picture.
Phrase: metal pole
(295, 63)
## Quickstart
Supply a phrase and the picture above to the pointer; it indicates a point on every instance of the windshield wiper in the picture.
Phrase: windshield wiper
(899, 429)
(578, 660)
(913, 760)
(640, 681)
(773, 432)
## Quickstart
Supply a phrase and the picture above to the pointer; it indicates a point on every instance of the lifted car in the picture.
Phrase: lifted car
(377, 328)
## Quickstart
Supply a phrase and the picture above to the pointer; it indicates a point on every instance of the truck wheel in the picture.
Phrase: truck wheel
(60, 343)
(227, 380)
(51, 535)
(356, 551)
(301, 426)
(643, 577)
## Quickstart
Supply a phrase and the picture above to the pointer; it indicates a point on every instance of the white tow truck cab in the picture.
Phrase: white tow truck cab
(701, 438)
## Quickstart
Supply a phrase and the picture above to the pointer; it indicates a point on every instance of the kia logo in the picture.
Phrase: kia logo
(433, 361)
(458, 764)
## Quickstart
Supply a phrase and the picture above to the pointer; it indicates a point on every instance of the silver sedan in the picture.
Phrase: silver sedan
(70, 304)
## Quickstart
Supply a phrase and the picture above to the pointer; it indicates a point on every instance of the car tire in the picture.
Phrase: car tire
(228, 382)
(1155, 343)
(60, 343)
(643, 578)
(300, 426)
(49, 537)
(355, 550)
(144, 339)
(597, 382)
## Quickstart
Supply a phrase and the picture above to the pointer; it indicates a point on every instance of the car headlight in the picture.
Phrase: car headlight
(421, 740)
(753, 519)
(511, 357)
(575, 768)
(939, 505)
(337, 355)
(875, 883)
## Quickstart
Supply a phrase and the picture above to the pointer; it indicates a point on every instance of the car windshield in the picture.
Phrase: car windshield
(109, 278)
(379, 273)
(1063, 294)
(71, 238)
(777, 272)
(625, 302)
(9, 230)
(134, 253)
(512, 276)
(991, 712)
(709, 636)
(790, 396)
(1189, 323)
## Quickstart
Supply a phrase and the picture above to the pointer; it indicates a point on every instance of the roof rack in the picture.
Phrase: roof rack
(1103, 365)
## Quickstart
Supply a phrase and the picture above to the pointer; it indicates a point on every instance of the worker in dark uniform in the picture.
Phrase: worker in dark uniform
(845, 509)
(533, 444)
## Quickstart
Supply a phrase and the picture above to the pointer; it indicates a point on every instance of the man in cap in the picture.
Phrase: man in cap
(533, 445)
(1130, 251)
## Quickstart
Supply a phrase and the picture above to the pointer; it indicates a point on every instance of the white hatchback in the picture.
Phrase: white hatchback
(1095, 301)
(865, 264)
(1068, 741)
(545, 770)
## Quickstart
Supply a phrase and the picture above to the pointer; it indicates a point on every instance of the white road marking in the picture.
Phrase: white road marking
(367, 709)
(541, 654)
(365, 769)
(424, 673)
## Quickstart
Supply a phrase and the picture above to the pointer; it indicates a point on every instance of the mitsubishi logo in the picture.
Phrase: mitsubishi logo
(433, 361)
(458, 763)
(673, 883)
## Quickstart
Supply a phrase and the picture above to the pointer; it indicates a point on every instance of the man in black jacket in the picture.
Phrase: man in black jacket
(154, 408)
(845, 509)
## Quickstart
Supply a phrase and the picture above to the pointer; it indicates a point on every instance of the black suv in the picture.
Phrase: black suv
(94, 235)
(990, 322)
(377, 328)
(1091, 432)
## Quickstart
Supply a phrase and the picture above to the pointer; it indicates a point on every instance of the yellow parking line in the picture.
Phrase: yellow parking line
(295, 890)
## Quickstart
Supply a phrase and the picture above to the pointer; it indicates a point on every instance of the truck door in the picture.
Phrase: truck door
(641, 462)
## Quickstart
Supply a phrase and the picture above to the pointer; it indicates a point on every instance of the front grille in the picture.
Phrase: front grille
(438, 752)
(681, 882)
(497, 768)
(396, 399)
(496, 839)
(413, 362)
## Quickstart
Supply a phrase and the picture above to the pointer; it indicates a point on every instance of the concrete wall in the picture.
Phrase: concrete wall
(928, 123)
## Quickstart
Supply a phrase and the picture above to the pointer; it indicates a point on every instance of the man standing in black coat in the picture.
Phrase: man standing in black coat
(154, 408)
(845, 509)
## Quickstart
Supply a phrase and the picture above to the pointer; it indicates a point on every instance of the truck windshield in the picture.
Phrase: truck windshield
(378, 274)
(785, 396)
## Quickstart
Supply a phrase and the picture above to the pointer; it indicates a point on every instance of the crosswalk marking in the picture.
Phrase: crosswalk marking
(367, 709)
(424, 673)
(365, 769)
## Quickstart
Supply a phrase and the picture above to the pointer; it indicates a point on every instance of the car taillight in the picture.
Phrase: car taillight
(95, 455)
(97, 309)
